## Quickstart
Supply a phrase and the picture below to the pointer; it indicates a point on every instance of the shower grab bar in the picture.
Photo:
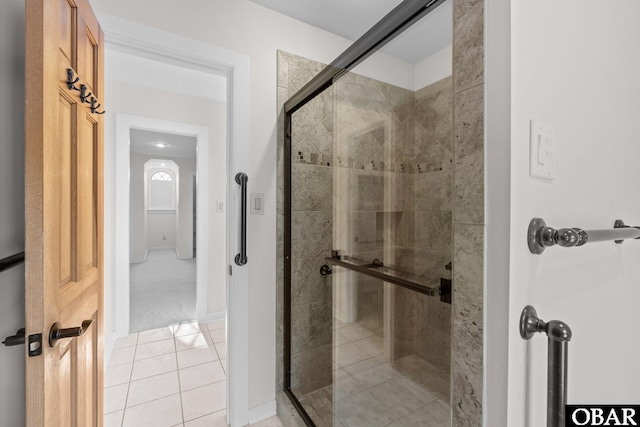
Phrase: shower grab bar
(11, 261)
(372, 270)
(559, 335)
(540, 236)
(241, 179)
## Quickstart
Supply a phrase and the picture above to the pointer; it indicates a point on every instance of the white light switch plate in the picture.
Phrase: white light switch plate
(542, 154)
(257, 203)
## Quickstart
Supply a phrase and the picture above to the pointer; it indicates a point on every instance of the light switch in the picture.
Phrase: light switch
(257, 203)
(542, 151)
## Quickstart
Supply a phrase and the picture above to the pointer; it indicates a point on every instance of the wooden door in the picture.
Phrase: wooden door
(64, 213)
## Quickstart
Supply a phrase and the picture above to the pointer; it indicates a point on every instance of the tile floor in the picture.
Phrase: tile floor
(172, 376)
(369, 391)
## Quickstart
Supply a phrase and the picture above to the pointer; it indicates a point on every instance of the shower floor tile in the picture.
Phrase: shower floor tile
(369, 391)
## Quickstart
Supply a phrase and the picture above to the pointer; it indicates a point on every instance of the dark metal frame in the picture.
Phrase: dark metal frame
(371, 271)
(394, 23)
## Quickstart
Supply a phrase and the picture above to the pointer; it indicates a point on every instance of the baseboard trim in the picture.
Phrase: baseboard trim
(262, 412)
(213, 317)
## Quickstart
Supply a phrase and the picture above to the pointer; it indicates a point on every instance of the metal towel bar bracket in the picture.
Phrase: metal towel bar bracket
(540, 236)
(559, 335)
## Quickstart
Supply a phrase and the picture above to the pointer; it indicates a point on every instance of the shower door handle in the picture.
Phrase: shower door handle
(241, 179)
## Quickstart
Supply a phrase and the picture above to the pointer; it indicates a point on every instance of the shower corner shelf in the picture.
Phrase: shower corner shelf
(385, 273)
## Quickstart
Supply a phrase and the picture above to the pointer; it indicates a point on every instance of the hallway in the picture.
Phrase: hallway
(163, 290)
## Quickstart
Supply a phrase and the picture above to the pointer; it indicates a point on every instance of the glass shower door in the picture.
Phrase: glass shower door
(368, 286)
(310, 293)
(391, 325)
(370, 343)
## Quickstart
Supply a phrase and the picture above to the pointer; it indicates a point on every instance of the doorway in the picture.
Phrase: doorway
(130, 38)
(154, 359)
(162, 231)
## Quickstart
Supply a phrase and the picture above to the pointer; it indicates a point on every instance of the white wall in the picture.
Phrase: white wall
(433, 68)
(176, 226)
(184, 225)
(161, 230)
(247, 28)
(137, 217)
(575, 67)
(12, 404)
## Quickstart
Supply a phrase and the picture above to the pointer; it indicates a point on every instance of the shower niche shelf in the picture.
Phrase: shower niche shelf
(388, 274)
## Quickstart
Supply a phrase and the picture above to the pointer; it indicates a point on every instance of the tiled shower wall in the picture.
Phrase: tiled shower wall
(373, 123)
(468, 208)
(428, 229)
(387, 179)
(312, 233)
(395, 202)
(426, 171)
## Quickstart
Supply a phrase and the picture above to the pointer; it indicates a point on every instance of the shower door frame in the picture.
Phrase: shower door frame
(393, 24)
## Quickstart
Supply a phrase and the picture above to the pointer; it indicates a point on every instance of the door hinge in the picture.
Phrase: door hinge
(230, 271)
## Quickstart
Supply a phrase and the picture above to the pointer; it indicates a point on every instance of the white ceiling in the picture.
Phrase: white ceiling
(352, 18)
(144, 142)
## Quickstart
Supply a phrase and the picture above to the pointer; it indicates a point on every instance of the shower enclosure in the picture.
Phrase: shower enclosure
(367, 232)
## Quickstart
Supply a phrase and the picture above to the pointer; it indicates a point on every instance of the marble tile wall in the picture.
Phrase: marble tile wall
(468, 217)
(431, 206)
(428, 223)
(373, 125)
(399, 148)
(312, 230)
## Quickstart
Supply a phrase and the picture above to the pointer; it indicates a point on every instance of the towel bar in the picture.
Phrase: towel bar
(540, 236)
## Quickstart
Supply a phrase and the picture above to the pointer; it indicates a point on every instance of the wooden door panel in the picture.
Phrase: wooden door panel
(86, 200)
(67, 31)
(64, 237)
(83, 307)
(65, 387)
(87, 383)
(88, 51)
(87, 57)
(66, 111)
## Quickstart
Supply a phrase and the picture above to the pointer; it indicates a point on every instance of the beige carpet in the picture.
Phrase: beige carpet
(162, 291)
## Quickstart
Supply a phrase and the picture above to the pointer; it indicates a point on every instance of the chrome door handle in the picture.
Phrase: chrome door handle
(56, 332)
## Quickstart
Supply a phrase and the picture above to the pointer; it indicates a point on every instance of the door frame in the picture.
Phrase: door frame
(133, 38)
(124, 124)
